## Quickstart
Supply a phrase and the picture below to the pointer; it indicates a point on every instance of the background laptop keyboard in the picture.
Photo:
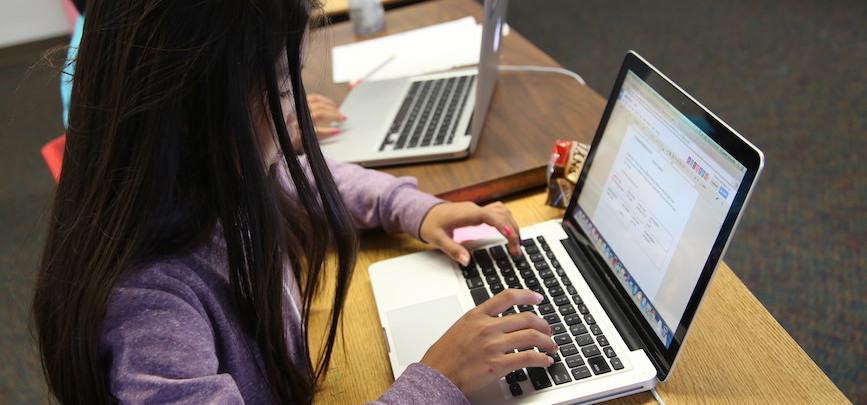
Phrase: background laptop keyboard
(584, 349)
(429, 114)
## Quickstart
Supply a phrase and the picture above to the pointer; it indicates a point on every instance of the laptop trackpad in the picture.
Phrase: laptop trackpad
(416, 327)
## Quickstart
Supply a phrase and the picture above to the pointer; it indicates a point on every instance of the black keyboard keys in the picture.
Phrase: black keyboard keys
(480, 295)
(557, 328)
(598, 365)
(564, 338)
(575, 361)
(515, 389)
(559, 373)
(590, 351)
(568, 350)
(581, 373)
(616, 364)
(609, 351)
(584, 340)
(475, 282)
(538, 377)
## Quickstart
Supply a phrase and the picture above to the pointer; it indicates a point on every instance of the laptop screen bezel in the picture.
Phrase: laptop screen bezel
(729, 140)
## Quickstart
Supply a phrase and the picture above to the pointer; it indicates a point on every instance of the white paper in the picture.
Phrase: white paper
(424, 50)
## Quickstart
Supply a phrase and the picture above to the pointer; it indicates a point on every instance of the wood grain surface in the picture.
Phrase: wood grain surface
(529, 111)
(736, 352)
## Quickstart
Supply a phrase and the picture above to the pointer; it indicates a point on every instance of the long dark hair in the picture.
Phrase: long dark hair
(162, 151)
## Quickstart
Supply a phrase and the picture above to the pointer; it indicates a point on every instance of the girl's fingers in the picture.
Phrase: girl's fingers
(524, 320)
(326, 132)
(508, 298)
(453, 249)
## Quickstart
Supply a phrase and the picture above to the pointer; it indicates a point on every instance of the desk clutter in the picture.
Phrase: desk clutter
(424, 50)
(565, 166)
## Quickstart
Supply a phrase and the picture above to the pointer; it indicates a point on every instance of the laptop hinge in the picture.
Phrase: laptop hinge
(575, 245)
(585, 264)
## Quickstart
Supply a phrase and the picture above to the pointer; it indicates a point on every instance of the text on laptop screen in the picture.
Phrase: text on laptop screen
(654, 201)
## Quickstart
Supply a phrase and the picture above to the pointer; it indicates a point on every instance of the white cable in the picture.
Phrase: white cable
(656, 396)
(543, 69)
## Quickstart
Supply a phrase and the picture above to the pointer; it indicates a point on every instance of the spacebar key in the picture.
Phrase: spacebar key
(480, 295)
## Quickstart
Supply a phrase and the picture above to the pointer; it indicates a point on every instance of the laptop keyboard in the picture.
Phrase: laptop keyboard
(584, 349)
(429, 114)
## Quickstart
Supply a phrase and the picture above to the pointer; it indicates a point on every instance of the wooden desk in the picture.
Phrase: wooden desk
(528, 111)
(736, 353)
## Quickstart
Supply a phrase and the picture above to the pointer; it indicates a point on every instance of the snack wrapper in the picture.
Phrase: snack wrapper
(567, 160)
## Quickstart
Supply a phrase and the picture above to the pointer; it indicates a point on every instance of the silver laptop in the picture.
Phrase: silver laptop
(424, 118)
(623, 273)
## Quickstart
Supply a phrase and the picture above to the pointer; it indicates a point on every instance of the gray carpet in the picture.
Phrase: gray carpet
(791, 77)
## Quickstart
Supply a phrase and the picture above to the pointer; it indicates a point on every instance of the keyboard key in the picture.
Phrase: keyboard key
(584, 340)
(531, 282)
(557, 328)
(475, 282)
(590, 351)
(564, 338)
(539, 378)
(515, 389)
(496, 288)
(609, 351)
(482, 257)
(568, 350)
(555, 264)
(551, 282)
(575, 361)
(512, 281)
(572, 319)
(596, 330)
(507, 272)
(577, 299)
(525, 308)
(598, 365)
(555, 291)
(480, 295)
(537, 257)
(470, 273)
(540, 266)
(552, 318)
(581, 373)
(520, 375)
(510, 311)
(565, 280)
(578, 329)
(510, 378)
(602, 340)
(561, 300)
(571, 290)
(546, 309)
(538, 289)
(559, 373)
(531, 250)
(616, 364)
(583, 309)
(546, 273)
(488, 271)
(527, 243)
(554, 355)
(588, 319)
(498, 253)
(541, 240)
(567, 309)
(492, 279)
(560, 271)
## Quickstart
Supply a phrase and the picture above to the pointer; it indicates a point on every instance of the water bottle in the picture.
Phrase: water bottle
(367, 16)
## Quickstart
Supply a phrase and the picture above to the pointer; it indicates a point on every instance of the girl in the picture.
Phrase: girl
(188, 235)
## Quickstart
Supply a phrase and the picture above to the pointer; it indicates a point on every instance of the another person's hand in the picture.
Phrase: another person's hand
(327, 118)
(443, 219)
(479, 348)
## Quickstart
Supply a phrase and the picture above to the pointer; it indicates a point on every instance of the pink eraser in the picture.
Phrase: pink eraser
(469, 233)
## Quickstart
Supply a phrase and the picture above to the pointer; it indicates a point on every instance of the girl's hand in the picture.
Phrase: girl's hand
(443, 219)
(326, 117)
(479, 348)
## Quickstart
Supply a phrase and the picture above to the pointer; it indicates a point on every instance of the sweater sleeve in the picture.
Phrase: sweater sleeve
(420, 384)
(373, 198)
(160, 348)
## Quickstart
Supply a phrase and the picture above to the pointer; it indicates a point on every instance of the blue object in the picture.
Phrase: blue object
(69, 69)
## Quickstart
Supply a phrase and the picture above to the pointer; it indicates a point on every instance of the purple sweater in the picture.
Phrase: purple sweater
(171, 336)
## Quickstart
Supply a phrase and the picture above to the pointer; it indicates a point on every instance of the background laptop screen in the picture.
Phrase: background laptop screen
(654, 200)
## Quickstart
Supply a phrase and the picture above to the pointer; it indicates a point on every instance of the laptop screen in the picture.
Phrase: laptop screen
(654, 200)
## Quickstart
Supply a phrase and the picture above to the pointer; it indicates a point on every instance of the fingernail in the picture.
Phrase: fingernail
(507, 230)
(550, 360)
(343, 118)
(539, 297)
(335, 131)
(465, 259)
